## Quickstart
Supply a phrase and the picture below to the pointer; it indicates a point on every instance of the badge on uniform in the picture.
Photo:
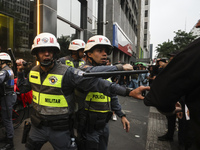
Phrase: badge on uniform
(53, 80)
(10, 72)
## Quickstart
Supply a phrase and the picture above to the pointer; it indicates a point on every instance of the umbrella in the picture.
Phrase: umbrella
(144, 64)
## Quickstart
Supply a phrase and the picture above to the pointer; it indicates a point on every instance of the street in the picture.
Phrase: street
(137, 114)
(146, 125)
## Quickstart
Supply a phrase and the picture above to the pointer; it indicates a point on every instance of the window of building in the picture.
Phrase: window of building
(70, 11)
(146, 2)
(145, 25)
(95, 14)
(145, 37)
(64, 29)
(146, 13)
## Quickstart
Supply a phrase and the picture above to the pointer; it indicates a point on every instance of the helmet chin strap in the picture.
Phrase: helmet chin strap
(46, 63)
(94, 62)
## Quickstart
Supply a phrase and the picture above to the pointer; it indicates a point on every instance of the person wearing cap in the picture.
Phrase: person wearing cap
(52, 85)
(94, 114)
(76, 48)
(7, 98)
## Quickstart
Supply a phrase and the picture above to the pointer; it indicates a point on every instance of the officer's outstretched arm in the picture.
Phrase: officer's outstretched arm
(137, 93)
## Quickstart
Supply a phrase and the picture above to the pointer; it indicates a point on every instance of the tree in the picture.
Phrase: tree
(64, 42)
(180, 41)
(165, 48)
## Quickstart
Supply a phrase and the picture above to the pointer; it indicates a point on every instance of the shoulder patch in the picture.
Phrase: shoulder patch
(1, 73)
(10, 72)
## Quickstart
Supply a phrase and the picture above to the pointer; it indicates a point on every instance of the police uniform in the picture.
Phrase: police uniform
(69, 61)
(8, 98)
(97, 111)
(52, 102)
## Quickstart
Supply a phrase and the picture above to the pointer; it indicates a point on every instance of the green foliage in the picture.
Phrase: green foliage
(165, 48)
(180, 41)
(64, 42)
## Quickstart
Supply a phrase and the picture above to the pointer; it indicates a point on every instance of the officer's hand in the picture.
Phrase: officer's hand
(126, 124)
(20, 65)
(127, 67)
(137, 93)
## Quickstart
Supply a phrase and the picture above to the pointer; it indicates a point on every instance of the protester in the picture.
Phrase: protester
(179, 78)
(52, 85)
(7, 99)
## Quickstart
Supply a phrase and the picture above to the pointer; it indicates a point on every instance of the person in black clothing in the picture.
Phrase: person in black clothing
(179, 78)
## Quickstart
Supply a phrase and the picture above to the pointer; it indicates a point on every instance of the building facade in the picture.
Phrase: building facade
(143, 34)
(71, 19)
(19, 11)
(196, 30)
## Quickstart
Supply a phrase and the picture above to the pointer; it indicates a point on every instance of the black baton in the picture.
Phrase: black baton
(113, 73)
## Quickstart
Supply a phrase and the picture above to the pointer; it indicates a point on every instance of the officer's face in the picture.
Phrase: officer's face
(99, 55)
(81, 53)
(45, 54)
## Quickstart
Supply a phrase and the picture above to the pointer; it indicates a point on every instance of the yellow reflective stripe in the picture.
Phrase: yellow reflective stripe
(104, 111)
(109, 79)
(49, 99)
(34, 77)
(69, 63)
(53, 80)
(97, 97)
(81, 63)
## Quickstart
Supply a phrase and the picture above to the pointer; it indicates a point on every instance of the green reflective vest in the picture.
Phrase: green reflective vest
(71, 64)
(97, 102)
(48, 97)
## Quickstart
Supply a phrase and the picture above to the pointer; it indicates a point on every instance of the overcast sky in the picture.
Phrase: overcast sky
(167, 16)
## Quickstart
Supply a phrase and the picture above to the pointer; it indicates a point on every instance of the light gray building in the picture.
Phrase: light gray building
(195, 30)
(143, 34)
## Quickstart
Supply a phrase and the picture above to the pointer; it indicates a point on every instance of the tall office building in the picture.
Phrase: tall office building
(143, 43)
(14, 18)
(121, 29)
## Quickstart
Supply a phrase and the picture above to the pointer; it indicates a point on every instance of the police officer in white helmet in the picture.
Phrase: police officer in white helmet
(7, 98)
(97, 110)
(76, 47)
(52, 85)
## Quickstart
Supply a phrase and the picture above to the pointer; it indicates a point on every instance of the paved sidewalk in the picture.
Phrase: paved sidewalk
(157, 125)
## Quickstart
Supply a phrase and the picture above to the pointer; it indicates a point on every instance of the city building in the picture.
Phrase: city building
(143, 34)
(119, 20)
(196, 30)
(14, 19)
(121, 29)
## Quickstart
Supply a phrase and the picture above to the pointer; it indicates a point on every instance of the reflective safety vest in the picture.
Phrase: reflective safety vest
(97, 102)
(48, 97)
(71, 64)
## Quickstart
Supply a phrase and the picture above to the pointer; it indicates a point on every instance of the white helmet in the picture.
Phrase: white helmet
(45, 40)
(98, 40)
(76, 45)
(5, 56)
